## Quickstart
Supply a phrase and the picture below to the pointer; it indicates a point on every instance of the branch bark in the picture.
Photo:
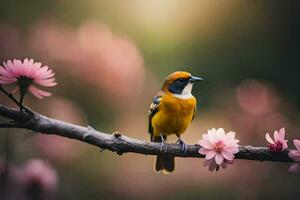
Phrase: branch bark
(118, 142)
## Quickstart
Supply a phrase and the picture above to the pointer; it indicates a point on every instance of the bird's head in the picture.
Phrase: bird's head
(180, 84)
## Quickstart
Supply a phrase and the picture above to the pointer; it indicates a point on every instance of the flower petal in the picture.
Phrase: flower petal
(231, 149)
(203, 151)
(212, 166)
(294, 167)
(5, 80)
(38, 93)
(284, 145)
(269, 139)
(297, 144)
(212, 136)
(230, 136)
(276, 136)
(220, 134)
(281, 134)
(46, 82)
(295, 155)
(206, 163)
(206, 144)
(210, 155)
(219, 159)
(227, 155)
(224, 165)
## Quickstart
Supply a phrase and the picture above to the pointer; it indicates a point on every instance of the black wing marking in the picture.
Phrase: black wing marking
(194, 113)
(152, 111)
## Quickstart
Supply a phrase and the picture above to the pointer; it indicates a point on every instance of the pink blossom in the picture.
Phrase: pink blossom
(25, 74)
(39, 172)
(279, 143)
(212, 165)
(295, 155)
(218, 147)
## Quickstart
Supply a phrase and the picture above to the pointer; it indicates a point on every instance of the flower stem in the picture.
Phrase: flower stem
(23, 90)
(21, 102)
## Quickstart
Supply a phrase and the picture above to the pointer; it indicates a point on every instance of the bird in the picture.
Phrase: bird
(172, 110)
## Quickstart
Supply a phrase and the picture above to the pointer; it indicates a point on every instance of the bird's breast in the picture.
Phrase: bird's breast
(174, 115)
(179, 106)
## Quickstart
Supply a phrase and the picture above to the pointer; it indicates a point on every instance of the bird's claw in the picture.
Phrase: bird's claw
(183, 145)
(163, 147)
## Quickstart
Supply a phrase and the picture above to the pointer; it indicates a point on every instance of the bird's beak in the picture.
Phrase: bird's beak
(195, 79)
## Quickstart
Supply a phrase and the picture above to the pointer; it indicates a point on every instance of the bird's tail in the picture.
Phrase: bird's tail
(165, 163)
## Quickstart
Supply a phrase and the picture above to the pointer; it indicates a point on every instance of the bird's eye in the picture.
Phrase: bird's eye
(181, 79)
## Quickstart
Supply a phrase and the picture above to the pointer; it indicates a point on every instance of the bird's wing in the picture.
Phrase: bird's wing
(153, 109)
(194, 113)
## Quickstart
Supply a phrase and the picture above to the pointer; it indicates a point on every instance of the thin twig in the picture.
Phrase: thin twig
(10, 95)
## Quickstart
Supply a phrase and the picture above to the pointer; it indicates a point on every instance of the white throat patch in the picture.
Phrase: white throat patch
(186, 93)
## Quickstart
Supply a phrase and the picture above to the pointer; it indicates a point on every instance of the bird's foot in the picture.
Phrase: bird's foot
(163, 145)
(183, 145)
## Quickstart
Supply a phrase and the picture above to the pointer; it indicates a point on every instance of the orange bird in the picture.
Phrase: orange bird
(171, 112)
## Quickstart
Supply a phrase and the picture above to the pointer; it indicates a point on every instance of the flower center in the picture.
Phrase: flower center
(279, 146)
(276, 147)
(219, 146)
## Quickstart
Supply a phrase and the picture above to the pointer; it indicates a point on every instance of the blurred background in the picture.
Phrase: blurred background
(111, 57)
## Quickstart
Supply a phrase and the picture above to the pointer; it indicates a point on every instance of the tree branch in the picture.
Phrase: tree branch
(117, 142)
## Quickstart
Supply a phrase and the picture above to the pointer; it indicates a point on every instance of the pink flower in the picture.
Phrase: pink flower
(218, 147)
(295, 155)
(280, 144)
(40, 173)
(212, 165)
(25, 75)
